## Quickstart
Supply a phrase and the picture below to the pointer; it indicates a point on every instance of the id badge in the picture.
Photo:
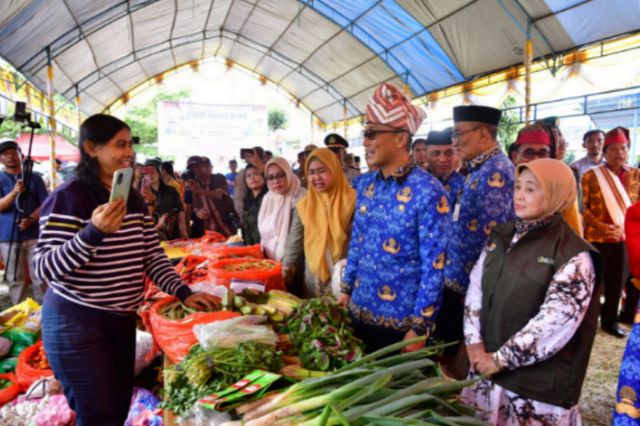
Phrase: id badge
(456, 212)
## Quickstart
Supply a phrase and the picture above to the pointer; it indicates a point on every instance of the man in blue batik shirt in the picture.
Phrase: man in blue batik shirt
(486, 201)
(440, 155)
(394, 276)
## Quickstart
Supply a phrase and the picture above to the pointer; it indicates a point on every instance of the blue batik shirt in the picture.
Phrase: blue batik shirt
(396, 258)
(486, 201)
(453, 184)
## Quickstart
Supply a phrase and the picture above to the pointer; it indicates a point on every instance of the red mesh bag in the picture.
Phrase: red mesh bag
(9, 393)
(26, 372)
(266, 270)
(175, 337)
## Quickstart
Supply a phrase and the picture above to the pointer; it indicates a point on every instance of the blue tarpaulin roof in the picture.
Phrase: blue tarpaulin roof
(329, 54)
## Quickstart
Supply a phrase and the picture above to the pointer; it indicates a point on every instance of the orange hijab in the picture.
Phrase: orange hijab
(326, 216)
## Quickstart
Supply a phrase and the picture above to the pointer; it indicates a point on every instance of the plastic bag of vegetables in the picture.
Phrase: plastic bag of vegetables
(9, 388)
(248, 269)
(171, 325)
(229, 333)
(32, 365)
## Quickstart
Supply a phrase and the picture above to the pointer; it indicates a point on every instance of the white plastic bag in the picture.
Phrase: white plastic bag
(144, 345)
(228, 333)
(209, 288)
(336, 276)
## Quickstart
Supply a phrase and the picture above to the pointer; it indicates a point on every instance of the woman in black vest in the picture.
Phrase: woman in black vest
(531, 314)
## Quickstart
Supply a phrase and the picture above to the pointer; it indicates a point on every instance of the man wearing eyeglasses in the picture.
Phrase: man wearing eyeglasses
(338, 145)
(393, 280)
(486, 201)
(532, 145)
(440, 159)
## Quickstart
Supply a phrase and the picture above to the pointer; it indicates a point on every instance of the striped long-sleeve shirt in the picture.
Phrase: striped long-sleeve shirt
(96, 270)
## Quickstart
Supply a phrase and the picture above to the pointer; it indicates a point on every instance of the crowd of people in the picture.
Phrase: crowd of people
(446, 237)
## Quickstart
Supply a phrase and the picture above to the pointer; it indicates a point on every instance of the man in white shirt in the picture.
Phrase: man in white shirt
(593, 142)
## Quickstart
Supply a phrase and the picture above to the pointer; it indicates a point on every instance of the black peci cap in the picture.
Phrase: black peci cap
(442, 137)
(481, 114)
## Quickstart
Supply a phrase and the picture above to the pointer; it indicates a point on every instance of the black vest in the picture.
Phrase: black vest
(514, 286)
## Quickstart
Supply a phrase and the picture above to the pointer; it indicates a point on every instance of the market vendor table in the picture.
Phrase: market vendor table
(173, 253)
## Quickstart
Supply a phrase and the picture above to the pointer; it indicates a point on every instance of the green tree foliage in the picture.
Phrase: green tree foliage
(570, 157)
(276, 119)
(144, 121)
(509, 123)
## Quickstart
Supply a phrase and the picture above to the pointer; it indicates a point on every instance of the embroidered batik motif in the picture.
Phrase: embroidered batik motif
(486, 200)
(396, 257)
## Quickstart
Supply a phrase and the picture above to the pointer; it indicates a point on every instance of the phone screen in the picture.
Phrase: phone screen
(147, 170)
(121, 184)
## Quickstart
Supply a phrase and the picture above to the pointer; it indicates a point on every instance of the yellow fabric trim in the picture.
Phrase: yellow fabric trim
(63, 225)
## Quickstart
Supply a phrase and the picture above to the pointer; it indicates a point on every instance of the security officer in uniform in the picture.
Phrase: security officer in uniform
(339, 145)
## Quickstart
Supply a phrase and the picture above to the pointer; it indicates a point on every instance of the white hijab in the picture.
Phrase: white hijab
(274, 218)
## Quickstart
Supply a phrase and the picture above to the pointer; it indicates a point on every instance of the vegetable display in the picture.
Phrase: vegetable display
(39, 359)
(320, 331)
(276, 305)
(177, 310)
(382, 388)
(193, 269)
(204, 372)
(250, 265)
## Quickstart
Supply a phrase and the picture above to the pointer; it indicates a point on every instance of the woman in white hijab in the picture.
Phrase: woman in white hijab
(274, 219)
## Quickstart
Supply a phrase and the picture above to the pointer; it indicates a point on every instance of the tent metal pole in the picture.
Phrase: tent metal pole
(52, 122)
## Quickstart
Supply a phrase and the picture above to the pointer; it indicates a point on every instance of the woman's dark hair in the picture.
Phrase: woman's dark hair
(167, 166)
(246, 170)
(249, 199)
(99, 129)
(161, 185)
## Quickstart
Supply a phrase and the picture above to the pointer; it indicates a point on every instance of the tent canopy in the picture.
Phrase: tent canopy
(41, 148)
(329, 54)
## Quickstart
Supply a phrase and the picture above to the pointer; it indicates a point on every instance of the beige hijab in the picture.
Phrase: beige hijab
(557, 181)
(274, 218)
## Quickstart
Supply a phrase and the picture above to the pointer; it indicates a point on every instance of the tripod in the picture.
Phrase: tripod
(26, 172)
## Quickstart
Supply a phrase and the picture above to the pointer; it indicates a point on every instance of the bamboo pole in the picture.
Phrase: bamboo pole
(528, 59)
(52, 123)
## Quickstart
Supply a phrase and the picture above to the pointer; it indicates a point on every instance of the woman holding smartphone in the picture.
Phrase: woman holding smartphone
(93, 253)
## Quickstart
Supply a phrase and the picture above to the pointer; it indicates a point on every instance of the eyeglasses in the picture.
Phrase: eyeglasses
(371, 133)
(530, 154)
(277, 176)
(336, 149)
(457, 134)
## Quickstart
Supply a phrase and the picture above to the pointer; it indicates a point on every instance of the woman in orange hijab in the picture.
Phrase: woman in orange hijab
(531, 310)
(321, 226)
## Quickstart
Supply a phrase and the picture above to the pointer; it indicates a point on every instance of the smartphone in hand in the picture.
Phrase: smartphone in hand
(121, 184)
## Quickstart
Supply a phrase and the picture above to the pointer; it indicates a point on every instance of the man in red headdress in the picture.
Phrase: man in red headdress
(608, 191)
(534, 142)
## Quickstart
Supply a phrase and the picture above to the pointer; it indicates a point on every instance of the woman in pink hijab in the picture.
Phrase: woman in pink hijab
(274, 219)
